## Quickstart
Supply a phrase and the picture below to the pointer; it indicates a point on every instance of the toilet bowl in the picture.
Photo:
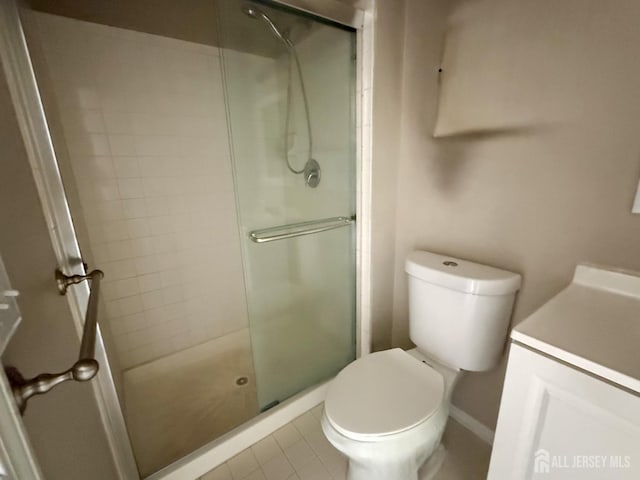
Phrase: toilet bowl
(387, 411)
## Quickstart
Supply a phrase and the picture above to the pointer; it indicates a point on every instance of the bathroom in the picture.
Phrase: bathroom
(494, 131)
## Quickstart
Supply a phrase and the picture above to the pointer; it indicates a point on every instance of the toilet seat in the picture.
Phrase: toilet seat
(382, 394)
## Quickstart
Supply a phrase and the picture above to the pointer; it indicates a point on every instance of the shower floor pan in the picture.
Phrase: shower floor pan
(178, 403)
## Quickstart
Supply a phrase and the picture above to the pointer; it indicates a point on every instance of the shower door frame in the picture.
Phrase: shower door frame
(29, 110)
(361, 19)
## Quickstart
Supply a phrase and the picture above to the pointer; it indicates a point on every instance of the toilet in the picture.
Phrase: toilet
(387, 411)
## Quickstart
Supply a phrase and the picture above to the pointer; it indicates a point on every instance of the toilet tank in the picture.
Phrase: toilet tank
(459, 311)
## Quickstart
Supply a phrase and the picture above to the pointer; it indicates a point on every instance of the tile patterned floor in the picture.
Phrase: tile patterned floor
(299, 451)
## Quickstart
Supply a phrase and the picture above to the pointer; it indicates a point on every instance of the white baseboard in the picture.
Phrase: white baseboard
(483, 432)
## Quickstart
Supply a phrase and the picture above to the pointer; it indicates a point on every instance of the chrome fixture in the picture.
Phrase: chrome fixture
(85, 368)
(254, 12)
(311, 169)
(312, 173)
(298, 229)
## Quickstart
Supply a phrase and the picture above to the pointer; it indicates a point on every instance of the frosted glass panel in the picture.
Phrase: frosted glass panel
(301, 311)
(300, 291)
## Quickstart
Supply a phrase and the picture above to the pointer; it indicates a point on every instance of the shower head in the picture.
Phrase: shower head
(254, 12)
(311, 169)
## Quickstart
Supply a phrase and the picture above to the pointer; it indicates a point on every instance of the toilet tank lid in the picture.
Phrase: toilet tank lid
(461, 275)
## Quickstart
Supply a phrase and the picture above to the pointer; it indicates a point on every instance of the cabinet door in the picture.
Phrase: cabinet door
(559, 423)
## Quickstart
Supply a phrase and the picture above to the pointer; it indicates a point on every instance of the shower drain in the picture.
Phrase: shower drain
(242, 381)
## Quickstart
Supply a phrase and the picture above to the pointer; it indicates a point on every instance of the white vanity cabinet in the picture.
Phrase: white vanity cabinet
(570, 407)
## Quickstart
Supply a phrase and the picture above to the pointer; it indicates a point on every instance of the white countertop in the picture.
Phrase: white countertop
(593, 324)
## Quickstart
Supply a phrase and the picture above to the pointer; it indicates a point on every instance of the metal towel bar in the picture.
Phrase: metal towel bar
(85, 368)
(298, 229)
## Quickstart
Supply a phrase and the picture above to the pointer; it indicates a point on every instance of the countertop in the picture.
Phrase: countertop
(593, 324)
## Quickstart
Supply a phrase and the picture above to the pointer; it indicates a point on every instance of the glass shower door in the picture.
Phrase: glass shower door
(289, 85)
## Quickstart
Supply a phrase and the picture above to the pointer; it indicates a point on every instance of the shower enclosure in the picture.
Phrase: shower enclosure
(209, 167)
(296, 223)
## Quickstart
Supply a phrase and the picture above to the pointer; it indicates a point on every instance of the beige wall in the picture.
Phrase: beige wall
(387, 97)
(64, 426)
(537, 157)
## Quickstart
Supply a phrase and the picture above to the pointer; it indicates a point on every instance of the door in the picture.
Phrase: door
(559, 423)
(72, 443)
(290, 97)
(17, 459)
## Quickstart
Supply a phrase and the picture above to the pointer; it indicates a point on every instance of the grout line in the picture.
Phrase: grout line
(483, 432)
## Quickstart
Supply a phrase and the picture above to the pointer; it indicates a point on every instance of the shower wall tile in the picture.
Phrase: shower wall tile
(144, 123)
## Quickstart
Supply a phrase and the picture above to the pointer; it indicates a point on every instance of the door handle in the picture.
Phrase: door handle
(85, 368)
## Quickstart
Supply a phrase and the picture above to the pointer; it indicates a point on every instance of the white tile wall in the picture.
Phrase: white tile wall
(144, 124)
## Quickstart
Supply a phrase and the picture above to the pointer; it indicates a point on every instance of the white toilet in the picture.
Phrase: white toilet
(387, 411)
